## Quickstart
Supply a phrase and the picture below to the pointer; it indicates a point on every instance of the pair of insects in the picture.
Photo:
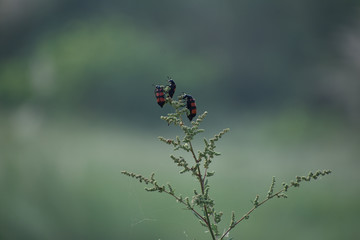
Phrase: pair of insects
(160, 98)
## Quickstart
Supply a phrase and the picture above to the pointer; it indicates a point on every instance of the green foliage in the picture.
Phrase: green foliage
(201, 204)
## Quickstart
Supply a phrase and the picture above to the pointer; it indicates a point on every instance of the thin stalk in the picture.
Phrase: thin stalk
(249, 212)
(201, 181)
(209, 224)
(205, 175)
(192, 209)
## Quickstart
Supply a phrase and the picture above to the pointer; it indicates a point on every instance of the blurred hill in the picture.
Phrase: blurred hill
(103, 56)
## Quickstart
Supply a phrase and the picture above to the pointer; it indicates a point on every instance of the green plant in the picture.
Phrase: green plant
(201, 204)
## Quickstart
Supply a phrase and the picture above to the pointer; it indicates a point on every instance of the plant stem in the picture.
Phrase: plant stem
(193, 153)
(209, 224)
(201, 181)
(192, 209)
(249, 212)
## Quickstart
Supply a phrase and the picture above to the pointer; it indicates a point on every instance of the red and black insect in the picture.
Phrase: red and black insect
(191, 105)
(172, 86)
(160, 95)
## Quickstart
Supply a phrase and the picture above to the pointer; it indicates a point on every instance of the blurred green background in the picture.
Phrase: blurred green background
(77, 106)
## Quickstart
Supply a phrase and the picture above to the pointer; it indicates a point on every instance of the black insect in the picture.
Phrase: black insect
(191, 105)
(160, 95)
(172, 86)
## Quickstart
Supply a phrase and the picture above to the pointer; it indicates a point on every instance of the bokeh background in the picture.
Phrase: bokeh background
(77, 107)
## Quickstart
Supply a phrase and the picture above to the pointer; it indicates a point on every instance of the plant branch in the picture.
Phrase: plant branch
(209, 224)
(201, 181)
(278, 194)
(246, 216)
(205, 174)
(180, 200)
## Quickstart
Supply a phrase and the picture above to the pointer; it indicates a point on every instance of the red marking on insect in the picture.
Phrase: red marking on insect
(191, 105)
(160, 95)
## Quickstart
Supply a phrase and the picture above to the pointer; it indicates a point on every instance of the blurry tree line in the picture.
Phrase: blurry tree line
(104, 56)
